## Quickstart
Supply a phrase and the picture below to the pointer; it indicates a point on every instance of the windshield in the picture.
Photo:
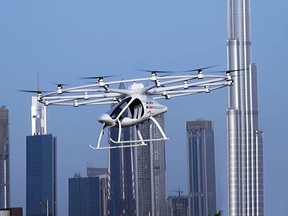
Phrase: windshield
(135, 109)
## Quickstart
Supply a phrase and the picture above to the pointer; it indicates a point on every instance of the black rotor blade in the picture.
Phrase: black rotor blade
(98, 77)
(32, 91)
(200, 69)
(59, 84)
(230, 71)
(155, 71)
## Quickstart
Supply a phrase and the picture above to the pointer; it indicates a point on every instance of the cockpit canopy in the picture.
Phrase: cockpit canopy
(127, 108)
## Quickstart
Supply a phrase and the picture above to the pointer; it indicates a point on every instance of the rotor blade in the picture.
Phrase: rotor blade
(98, 77)
(199, 69)
(32, 91)
(156, 71)
(59, 84)
(229, 71)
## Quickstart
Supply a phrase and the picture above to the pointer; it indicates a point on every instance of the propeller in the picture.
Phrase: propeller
(101, 80)
(98, 77)
(59, 84)
(199, 70)
(32, 91)
(230, 71)
(156, 71)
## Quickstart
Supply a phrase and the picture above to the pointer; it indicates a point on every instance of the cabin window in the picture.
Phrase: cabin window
(120, 107)
(136, 109)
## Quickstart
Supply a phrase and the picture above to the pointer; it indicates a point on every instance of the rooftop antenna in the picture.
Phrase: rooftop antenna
(37, 82)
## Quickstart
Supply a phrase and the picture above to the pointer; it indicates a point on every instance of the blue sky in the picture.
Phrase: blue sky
(66, 39)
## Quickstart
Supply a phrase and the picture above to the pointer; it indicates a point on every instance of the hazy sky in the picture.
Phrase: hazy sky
(63, 40)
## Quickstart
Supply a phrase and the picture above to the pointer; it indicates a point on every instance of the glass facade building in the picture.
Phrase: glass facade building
(4, 159)
(201, 168)
(121, 191)
(84, 196)
(41, 175)
(121, 185)
(150, 172)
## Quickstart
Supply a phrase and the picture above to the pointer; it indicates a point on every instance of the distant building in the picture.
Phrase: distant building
(84, 196)
(177, 206)
(201, 168)
(4, 159)
(96, 171)
(121, 190)
(11, 212)
(150, 168)
(40, 175)
(40, 166)
(102, 173)
(136, 175)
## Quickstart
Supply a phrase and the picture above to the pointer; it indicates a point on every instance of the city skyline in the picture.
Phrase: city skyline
(65, 40)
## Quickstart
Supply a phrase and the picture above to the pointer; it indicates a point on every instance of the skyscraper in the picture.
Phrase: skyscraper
(201, 168)
(245, 143)
(121, 185)
(102, 174)
(84, 196)
(177, 206)
(4, 159)
(40, 166)
(150, 168)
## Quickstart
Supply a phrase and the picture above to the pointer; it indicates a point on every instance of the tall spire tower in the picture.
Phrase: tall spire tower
(4, 158)
(245, 145)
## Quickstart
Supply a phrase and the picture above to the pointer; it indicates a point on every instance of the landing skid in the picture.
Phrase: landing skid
(116, 147)
(133, 143)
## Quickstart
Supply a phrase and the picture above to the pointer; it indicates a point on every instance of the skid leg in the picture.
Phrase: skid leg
(159, 127)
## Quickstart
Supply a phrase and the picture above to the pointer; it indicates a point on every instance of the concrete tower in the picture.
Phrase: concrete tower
(4, 158)
(245, 144)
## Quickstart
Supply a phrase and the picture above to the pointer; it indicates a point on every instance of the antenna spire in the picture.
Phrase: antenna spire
(37, 82)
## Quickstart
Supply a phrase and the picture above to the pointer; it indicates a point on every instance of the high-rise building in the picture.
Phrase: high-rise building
(120, 185)
(177, 206)
(40, 166)
(149, 171)
(245, 144)
(136, 184)
(201, 168)
(11, 212)
(102, 174)
(96, 171)
(84, 196)
(40, 175)
(4, 159)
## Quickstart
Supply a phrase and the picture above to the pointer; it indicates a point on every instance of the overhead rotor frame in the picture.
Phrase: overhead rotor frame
(161, 87)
